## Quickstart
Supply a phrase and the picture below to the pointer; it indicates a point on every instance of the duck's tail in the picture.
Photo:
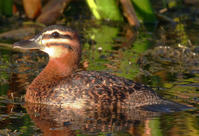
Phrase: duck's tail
(166, 106)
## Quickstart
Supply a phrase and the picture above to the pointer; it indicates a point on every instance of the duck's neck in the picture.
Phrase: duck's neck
(56, 69)
(59, 67)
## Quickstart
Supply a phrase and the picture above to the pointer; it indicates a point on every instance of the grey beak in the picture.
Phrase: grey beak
(34, 43)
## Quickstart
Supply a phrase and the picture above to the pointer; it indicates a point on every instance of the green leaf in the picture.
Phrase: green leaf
(6, 7)
(105, 9)
(144, 11)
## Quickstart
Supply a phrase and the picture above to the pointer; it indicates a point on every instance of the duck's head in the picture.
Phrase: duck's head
(57, 41)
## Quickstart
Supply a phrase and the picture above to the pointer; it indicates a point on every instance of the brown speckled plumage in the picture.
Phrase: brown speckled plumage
(61, 84)
(91, 88)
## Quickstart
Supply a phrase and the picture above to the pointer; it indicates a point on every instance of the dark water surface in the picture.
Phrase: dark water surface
(166, 59)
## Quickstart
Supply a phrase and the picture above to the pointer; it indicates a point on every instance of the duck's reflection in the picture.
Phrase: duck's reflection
(56, 121)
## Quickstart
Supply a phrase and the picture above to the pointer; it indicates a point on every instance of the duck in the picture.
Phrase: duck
(60, 83)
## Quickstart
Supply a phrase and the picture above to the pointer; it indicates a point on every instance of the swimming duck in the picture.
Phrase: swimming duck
(60, 83)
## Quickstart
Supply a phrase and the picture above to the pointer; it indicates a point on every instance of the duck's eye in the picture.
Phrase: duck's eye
(55, 34)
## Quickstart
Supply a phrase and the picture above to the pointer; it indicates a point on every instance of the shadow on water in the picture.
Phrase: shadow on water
(66, 121)
(57, 121)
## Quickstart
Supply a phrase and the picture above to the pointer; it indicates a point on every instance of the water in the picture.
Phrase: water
(165, 59)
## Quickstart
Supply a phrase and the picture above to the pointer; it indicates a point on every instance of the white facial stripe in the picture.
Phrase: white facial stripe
(50, 51)
(55, 30)
(54, 52)
(60, 40)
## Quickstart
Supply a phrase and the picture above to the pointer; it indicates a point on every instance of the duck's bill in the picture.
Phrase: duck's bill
(27, 44)
(34, 43)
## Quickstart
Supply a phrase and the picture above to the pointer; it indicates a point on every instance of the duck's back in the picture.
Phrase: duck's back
(93, 88)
